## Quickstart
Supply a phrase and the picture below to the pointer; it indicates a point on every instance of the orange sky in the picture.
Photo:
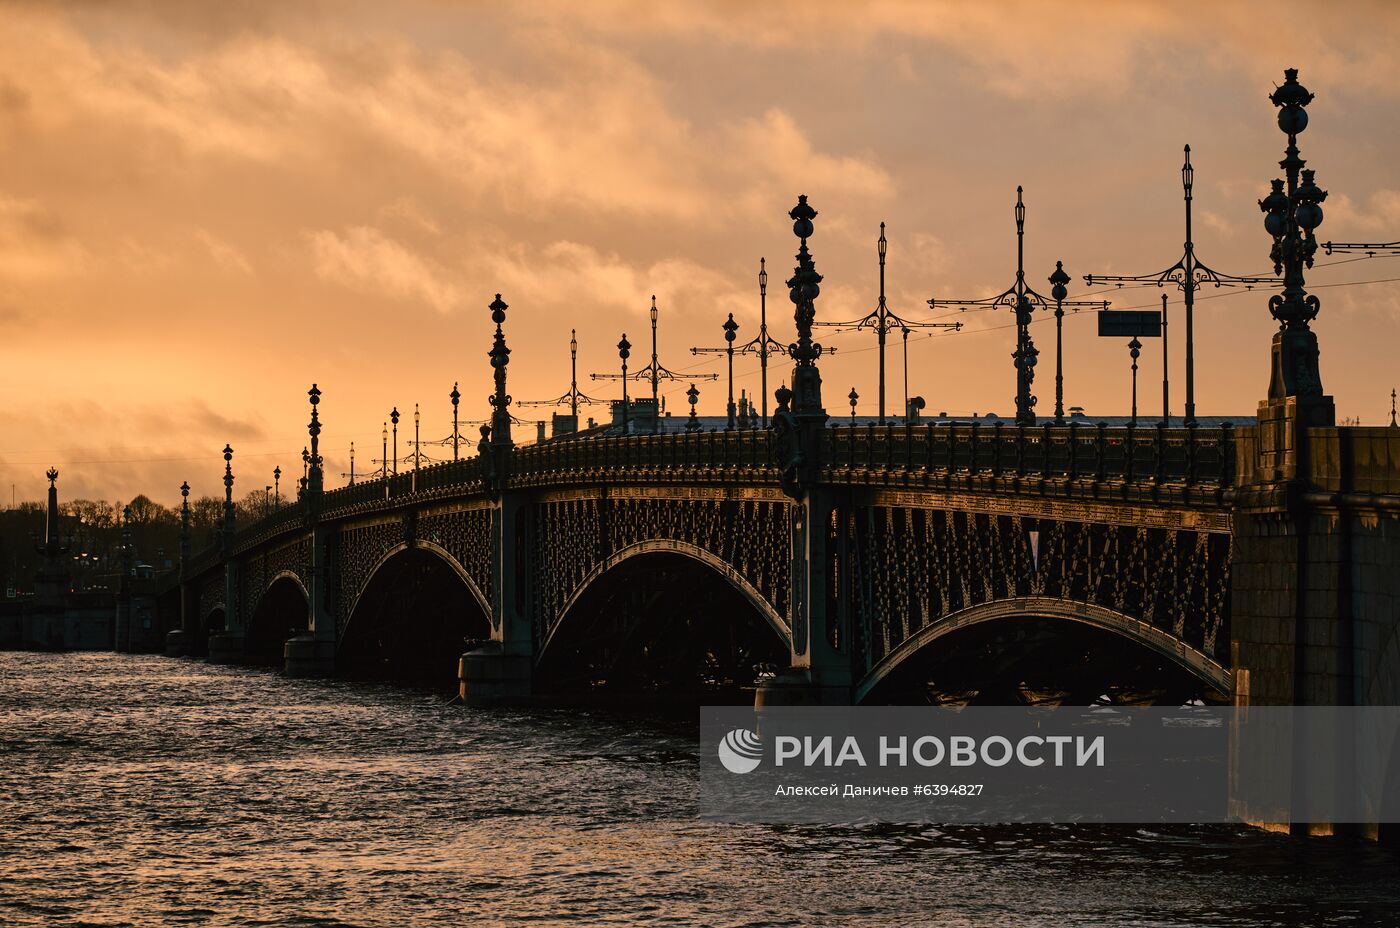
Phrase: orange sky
(203, 209)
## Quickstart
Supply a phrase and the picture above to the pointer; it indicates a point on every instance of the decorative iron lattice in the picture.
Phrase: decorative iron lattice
(909, 567)
(211, 596)
(358, 550)
(466, 534)
(258, 571)
(572, 537)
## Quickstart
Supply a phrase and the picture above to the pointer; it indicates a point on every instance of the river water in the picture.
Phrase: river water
(150, 791)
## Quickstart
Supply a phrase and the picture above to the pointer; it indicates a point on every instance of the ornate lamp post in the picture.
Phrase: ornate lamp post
(882, 321)
(1134, 352)
(500, 357)
(854, 397)
(731, 331)
(1291, 215)
(277, 486)
(1059, 282)
(1166, 381)
(315, 474)
(624, 351)
(572, 396)
(456, 433)
(653, 372)
(184, 522)
(228, 494)
(384, 456)
(763, 344)
(1020, 298)
(394, 418)
(1189, 274)
(693, 423)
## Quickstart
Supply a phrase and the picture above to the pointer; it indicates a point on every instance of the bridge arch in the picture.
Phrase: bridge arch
(675, 593)
(428, 546)
(670, 546)
(282, 610)
(416, 613)
(1154, 639)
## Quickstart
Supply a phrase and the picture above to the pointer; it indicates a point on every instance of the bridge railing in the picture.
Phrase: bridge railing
(718, 453)
(1153, 454)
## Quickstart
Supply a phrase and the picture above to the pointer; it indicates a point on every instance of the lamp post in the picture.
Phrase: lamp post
(624, 351)
(1059, 282)
(394, 418)
(655, 371)
(1021, 299)
(384, 456)
(456, 398)
(1134, 350)
(763, 344)
(1189, 275)
(277, 486)
(882, 321)
(1166, 381)
(572, 396)
(500, 358)
(693, 423)
(417, 445)
(267, 499)
(854, 397)
(1291, 215)
(731, 331)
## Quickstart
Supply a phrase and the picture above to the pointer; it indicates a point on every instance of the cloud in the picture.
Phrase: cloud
(225, 255)
(364, 258)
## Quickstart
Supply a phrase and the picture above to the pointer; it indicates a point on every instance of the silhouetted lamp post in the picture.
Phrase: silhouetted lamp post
(394, 418)
(384, 456)
(277, 486)
(731, 331)
(762, 344)
(1189, 274)
(1059, 281)
(1291, 215)
(854, 397)
(1134, 351)
(1023, 301)
(624, 351)
(693, 423)
(456, 434)
(882, 321)
(572, 396)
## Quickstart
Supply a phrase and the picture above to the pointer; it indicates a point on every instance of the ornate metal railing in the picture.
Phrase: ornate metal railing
(927, 453)
(1128, 454)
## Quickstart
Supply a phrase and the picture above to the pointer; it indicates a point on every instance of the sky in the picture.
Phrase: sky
(205, 208)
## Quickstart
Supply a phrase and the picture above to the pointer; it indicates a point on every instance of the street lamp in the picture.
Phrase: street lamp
(1020, 298)
(624, 351)
(655, 371)
(882, 321)
(394, 418)
(1134, 351)
(1059, 281)
(693, 423)
(1291, 215)
(854, 397)
(572, 396)
(731, 330)
(277, 486)
(1189, 275)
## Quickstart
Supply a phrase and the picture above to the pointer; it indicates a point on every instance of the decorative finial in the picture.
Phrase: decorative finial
(52, 474)
(1059, 280)
(185, 491)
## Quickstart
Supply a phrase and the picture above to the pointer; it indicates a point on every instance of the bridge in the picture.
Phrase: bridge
(812, 562)
(818, 562)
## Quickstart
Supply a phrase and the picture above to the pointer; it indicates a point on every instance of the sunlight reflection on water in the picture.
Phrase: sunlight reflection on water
(152, 791)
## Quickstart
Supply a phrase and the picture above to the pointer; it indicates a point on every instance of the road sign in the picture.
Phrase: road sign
(1129, 323)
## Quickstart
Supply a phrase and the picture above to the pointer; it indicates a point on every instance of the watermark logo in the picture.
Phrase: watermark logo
(740, 751)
